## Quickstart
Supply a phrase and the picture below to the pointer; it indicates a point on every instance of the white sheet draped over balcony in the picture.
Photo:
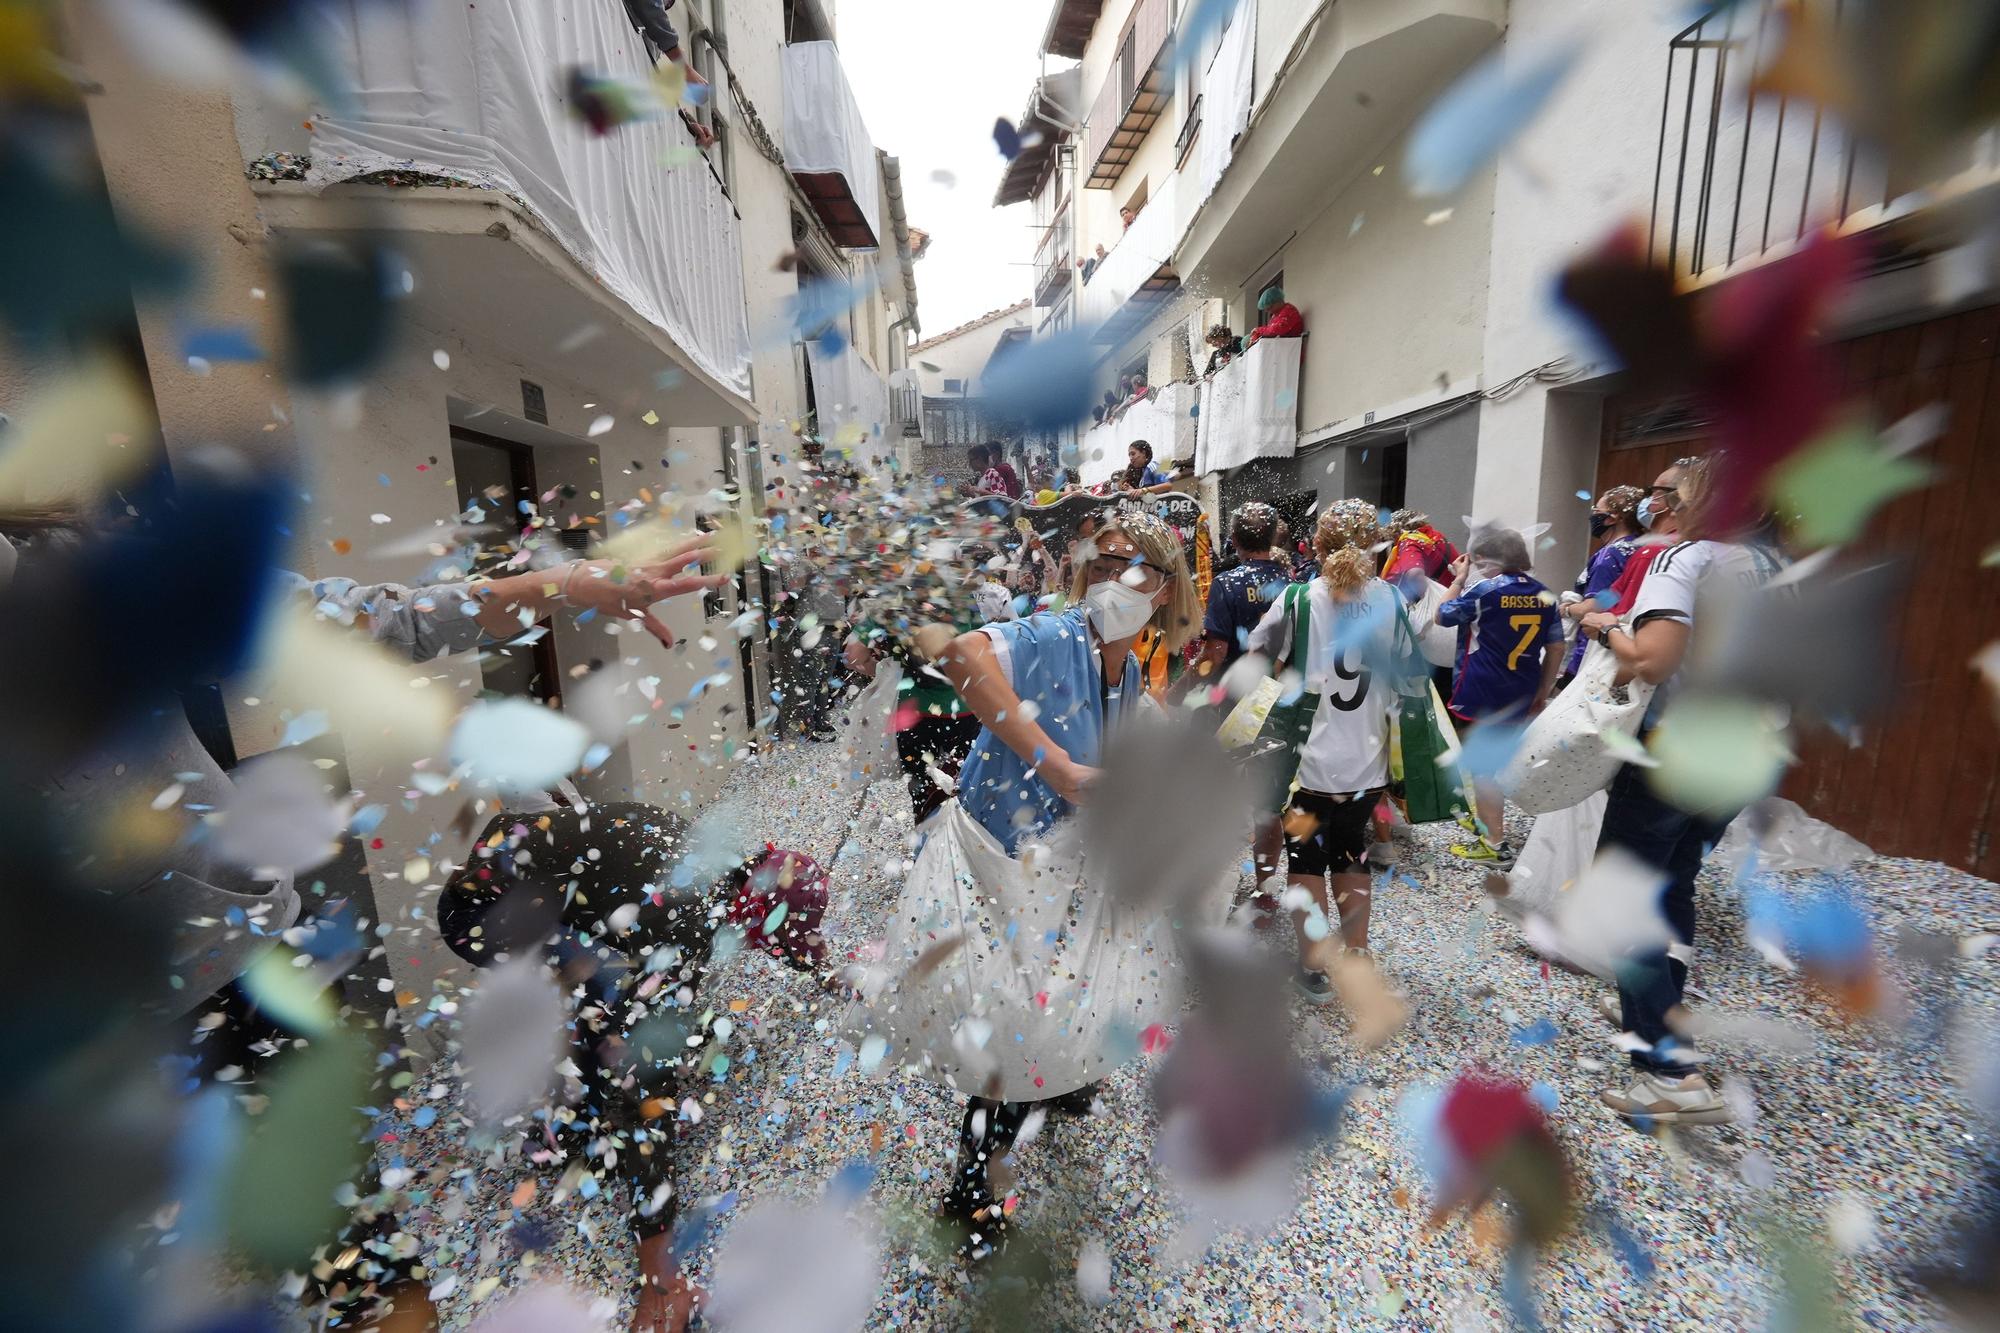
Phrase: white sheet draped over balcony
(1251, 408)
(1226, 90)
(1162, 421)
(475, 93)
(824, 132)
(1146, 245)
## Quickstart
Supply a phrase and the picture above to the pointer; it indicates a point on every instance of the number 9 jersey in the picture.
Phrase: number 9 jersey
(1504, 625)
(1351, 645)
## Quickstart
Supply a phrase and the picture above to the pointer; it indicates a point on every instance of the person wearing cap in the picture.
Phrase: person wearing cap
(1281, 318)
(603, 894)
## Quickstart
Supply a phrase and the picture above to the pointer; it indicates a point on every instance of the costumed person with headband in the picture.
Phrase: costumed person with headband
(1047, 689)
(1614, 525)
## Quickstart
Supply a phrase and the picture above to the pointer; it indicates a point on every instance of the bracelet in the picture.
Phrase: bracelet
(562, 591)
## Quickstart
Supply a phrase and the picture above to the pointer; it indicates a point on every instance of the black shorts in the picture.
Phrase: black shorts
(1328, 834)
(938, 741)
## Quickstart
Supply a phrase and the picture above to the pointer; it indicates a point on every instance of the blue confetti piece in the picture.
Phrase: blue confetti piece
(383, 478)
(1517, 1287)
(1006, 139)
(304, 727)
(221, 344)
(842, 1061)
(1545, 1096)
(850, 1182)
(1628, 1247)
(1583, 496)
(1538, 1033)
(425, 1117)
(1478, 116)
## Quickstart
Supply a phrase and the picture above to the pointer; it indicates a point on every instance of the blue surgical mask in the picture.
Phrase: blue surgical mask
(1648, 514)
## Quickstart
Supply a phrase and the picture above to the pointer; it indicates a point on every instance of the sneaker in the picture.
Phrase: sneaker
(1670, 1101)
(1467, 822)
(1613, 1012)
(1382, 855)
(1317, 987)
(1500, 856)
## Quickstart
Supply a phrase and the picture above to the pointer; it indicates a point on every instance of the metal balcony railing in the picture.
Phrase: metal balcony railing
(1054, 257)
(1735, 178)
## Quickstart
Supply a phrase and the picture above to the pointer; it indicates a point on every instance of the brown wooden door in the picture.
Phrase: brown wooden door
(1925, 779)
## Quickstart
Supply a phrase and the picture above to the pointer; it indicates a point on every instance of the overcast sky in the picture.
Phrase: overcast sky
(931, 76)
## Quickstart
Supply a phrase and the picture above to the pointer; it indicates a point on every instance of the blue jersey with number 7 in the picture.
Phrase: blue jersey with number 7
(1504, 625)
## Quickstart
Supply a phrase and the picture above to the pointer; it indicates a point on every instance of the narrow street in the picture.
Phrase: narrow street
(1870, 1122)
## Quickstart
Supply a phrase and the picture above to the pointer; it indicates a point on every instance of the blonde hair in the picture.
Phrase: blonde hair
(1345, 542)
(1696, 492)
(1179, 617)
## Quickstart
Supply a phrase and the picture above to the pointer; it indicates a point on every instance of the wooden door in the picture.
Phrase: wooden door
(1925, 779)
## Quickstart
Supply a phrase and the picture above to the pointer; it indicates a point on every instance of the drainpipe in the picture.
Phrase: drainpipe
(892, 186)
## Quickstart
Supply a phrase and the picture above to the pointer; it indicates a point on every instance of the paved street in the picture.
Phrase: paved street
(1864, 1140)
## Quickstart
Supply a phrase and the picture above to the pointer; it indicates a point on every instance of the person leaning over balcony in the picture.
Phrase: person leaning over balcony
(1281, 318)
(1224, 347)
(650, 17)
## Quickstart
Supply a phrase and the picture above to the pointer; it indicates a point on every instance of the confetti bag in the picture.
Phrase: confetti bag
(1564, 755)
(1438, 643)
(1287, 726)
(1559, 850)
(1012, 979)
(1246, 719)
(868, 730)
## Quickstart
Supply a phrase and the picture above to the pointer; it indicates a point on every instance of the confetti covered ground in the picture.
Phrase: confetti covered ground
(1863, 1149)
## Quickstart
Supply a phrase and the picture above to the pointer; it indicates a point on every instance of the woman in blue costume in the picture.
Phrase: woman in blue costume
(1045, 690)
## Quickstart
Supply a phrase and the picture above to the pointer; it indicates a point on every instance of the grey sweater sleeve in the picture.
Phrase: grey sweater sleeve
(651, 16)
(418, 623)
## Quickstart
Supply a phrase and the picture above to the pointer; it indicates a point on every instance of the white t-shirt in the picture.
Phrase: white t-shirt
(1348, 748)
(1706, 581)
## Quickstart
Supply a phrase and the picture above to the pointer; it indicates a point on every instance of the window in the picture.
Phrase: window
(954, 386)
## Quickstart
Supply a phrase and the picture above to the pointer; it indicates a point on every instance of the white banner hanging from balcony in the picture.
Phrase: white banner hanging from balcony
(475, 94)
(1226, 92)
(1251, 408)
(1162, 421)
(824, 132)
(1146, 245)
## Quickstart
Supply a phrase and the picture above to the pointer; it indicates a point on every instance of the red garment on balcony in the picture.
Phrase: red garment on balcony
(1286, 322)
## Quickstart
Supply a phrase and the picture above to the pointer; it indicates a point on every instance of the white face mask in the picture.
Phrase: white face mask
(1117, 611)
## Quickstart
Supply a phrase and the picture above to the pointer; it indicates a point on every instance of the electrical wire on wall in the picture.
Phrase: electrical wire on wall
(1550, 373)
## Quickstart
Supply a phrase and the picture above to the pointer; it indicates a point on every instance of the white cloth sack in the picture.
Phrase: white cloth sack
(1558, 852)
(1438, 643)
(1012, 978)
(1564, 757)
(867, 730)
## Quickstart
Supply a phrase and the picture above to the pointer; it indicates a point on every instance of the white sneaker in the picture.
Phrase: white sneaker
(1612, 1011)
(1670, 1101)
(1381, 855)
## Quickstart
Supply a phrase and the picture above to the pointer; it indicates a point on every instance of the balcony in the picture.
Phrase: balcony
(1251, 408)
(828, 148)
(1136, 93)
(1163, 421)
(1359, 73)
(505, 205)
(1055, 257)
(1736, 180)
(1127, 287)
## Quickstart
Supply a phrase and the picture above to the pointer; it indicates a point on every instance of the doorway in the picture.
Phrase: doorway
(497, 477)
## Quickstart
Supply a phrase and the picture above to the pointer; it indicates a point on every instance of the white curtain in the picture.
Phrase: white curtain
(475, 93)
(848, 392)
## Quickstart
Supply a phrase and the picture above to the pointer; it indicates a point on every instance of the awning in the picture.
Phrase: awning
(1251, 408)
(828, 148)
(1070, 24)
(663, 240)
(1052, 109)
